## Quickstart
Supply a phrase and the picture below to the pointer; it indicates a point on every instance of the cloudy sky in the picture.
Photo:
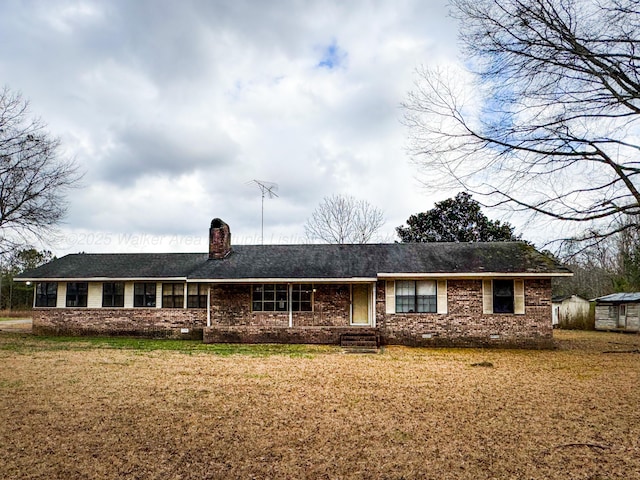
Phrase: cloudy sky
(171, 107)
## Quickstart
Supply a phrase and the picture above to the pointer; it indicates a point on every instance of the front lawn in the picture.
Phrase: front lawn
(122, 408)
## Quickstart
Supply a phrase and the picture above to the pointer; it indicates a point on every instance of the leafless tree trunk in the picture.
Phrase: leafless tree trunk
(550, 122)
(33, 177)
(343, 219)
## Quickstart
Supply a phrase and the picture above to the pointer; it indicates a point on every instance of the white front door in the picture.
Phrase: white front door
(360, 304)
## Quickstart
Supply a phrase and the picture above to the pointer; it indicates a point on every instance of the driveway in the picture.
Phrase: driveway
(15, 325)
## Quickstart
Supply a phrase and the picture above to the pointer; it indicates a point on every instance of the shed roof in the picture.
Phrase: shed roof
(309, 261)
(619, 298)
(562, 298)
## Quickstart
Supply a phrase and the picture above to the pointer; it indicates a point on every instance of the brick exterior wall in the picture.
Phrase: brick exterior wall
(466, 325)
(142, 322)
(233, 321)
(231, 307)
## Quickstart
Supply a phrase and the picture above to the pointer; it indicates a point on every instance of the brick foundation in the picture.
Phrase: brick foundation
(140, 322)
(258, 334)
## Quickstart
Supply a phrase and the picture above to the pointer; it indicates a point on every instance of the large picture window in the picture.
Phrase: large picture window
(77, 294)
(196, 295)
(172, 295)
(46, 294)
(113, 294)
(416, 296)
(144, 295)
(274, 297)
(503, 296)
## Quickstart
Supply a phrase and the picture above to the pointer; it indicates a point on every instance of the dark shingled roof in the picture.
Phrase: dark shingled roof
(119, 265)
(310, 261)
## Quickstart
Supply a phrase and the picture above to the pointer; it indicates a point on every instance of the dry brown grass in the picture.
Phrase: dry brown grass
(99, 412)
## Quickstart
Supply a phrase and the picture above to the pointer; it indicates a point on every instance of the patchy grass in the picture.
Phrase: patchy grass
(114, 408)
(26, 344)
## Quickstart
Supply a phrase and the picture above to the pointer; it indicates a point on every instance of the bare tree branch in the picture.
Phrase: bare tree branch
(34, 178)
(343, 219)
(549, 121)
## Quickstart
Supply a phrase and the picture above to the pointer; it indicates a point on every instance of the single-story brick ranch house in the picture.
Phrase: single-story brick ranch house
(465, 294)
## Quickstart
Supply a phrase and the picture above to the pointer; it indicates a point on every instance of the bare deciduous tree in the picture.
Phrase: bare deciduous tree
(343, 219)
(34, 178)
(551, 124)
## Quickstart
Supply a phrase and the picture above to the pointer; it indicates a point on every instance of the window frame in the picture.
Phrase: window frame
(200, 296)
(78, 295)
(509, 305)
(413, 302)
(146, 295)
(50, 299)
(116, 298)
(297, 301)
(297, 297)
(173, 299)
(267, 294)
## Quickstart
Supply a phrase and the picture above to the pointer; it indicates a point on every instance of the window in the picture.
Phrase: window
(144, 295)
(503, 296)
(77, 294)
(113, 294)
(46, 294)
(196, 295)
(270, 297)
(301, 300)
(416, 296)
(274, 297)
(172, 295)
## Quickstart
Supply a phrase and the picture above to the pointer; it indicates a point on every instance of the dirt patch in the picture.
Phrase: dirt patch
(404, 413)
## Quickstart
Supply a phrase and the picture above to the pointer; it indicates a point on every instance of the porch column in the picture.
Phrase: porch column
(290, 302)
(209, 306)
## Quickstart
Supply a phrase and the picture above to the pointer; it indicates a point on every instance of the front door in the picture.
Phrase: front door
(360, 304)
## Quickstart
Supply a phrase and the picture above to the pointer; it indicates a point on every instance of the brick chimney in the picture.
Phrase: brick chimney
(219, 239)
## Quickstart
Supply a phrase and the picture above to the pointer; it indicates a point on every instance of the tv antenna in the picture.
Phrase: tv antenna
(267, 189)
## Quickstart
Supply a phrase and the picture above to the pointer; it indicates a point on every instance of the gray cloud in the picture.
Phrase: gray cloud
(171, 107)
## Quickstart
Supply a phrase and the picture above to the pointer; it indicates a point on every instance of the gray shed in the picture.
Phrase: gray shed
(618, 311)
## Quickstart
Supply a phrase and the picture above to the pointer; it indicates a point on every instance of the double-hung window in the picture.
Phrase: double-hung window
(172, 295)
(416, 296)
(144, 295)
(503, 296)
(77, 294)
(196, 295)
(113, 294)
(46, 294)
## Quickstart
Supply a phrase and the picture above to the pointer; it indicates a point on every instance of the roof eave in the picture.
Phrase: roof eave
(99, 279)
(284, 280)
(471, 275)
